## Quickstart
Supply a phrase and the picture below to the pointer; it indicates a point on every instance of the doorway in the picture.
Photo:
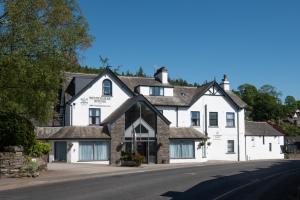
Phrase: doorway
(60, 151)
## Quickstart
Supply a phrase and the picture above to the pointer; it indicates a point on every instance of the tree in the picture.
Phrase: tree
(271, 90)
(39, 39)
(140, 72)
(290, 104)
(248, 93)
(266, 107)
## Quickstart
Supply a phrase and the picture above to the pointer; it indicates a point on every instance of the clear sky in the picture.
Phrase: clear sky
(253, 41)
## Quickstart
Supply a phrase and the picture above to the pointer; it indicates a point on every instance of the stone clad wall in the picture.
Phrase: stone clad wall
(163, 142)
(117, 133)
(11, 163)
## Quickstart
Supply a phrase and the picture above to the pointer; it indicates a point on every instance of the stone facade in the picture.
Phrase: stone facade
(163, 155)
(117, 134)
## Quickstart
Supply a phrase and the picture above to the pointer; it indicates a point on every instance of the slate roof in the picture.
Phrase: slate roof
(72, 132)
(260, 129)
(186, 133)
(183, 96)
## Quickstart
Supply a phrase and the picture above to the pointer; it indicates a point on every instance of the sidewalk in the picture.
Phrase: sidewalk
(61, 172)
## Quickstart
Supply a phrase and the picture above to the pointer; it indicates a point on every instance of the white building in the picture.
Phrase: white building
(106, 114)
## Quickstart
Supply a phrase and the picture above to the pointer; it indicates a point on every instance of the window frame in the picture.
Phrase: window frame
(230, 120)
(105, 87)
(152, 88)
(210, 120)
(94, 143)
(92, 116)
(230, 151)
(198, 118)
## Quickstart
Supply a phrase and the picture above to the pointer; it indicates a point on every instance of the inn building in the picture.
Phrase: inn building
(102, 115)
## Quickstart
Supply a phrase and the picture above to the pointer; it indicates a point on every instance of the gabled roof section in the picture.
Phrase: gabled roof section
(260, 129)
(127, 105)
(90, 84)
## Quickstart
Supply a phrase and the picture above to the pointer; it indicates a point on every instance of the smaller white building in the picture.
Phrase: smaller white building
(263, 141)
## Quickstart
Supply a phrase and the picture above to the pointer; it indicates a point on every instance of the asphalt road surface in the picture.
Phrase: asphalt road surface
(247, 180)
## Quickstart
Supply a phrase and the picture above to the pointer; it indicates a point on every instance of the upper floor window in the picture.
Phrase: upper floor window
(195, 118)
(213, 119)
(107, 88)
(94, 116)
(156, 91)
(230, 119)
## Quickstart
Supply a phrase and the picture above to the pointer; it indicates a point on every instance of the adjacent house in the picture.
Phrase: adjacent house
(103, 115)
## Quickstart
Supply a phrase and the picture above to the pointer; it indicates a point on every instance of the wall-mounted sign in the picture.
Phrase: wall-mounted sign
(99, 100)
(84, 101)
(217, 137)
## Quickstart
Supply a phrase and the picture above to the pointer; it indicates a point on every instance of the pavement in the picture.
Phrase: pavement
(276, 179)
(61, 172)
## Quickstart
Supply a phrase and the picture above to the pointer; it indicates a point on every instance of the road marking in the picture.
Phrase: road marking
(253, 182)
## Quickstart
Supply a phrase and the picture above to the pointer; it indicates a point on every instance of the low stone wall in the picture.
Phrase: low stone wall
(11, 163)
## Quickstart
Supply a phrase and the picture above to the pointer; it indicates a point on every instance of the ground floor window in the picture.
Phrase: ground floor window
(182, 149)
(93, 151)
(230, 146)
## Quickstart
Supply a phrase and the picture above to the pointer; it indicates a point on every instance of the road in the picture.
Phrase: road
(246, 180)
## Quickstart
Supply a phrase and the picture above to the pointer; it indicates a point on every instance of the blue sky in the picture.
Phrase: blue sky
(255, 42)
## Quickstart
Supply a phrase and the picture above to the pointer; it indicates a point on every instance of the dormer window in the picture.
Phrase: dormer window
(107, 88)
(156, 91)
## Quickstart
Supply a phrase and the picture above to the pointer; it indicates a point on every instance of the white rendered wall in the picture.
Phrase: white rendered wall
(144, 90)
(198, 156)
(92, 98)
(256, 150)
(73, 153)
(168, 92)
(169, 113)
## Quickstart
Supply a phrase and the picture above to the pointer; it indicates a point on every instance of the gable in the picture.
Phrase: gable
(106, 74)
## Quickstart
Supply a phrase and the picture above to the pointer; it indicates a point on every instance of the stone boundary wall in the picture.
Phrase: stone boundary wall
(11, 163)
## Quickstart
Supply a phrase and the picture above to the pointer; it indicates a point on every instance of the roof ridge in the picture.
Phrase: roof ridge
(79, 73)
(136, 77)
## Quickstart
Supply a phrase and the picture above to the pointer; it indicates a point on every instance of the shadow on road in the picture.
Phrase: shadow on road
(279, 181)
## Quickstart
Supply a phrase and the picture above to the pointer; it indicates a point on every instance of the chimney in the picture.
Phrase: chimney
(225, 83)
(161, 75)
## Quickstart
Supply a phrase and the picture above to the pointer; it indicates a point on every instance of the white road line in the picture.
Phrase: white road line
(253, 182)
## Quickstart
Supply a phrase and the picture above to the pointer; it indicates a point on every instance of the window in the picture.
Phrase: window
(270, 146)
(141, 129)
(213, 119)
(107, 88)
(94, 116)
(230, 146)
(253, 141)
(93, 151)
(195, 118)
(230, 121)
(263, 139)
(156, 91)
(182, 149)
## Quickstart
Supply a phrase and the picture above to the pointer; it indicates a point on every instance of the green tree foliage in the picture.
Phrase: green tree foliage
(16, 131)
(271, 90)
(290, 104)
(140, 72)
(266, 107)
(248, 94)
(39, 39)
(39, 148)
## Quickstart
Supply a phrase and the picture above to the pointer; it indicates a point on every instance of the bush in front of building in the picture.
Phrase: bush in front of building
(16, 130)
(131, 159)
(39, 149)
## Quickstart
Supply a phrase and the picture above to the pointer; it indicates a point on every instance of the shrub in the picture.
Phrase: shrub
(16, 130)
(39, 149)
(135, 157)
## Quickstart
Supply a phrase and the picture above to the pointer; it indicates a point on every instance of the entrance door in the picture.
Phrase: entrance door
(60, 151)
(142, 150)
